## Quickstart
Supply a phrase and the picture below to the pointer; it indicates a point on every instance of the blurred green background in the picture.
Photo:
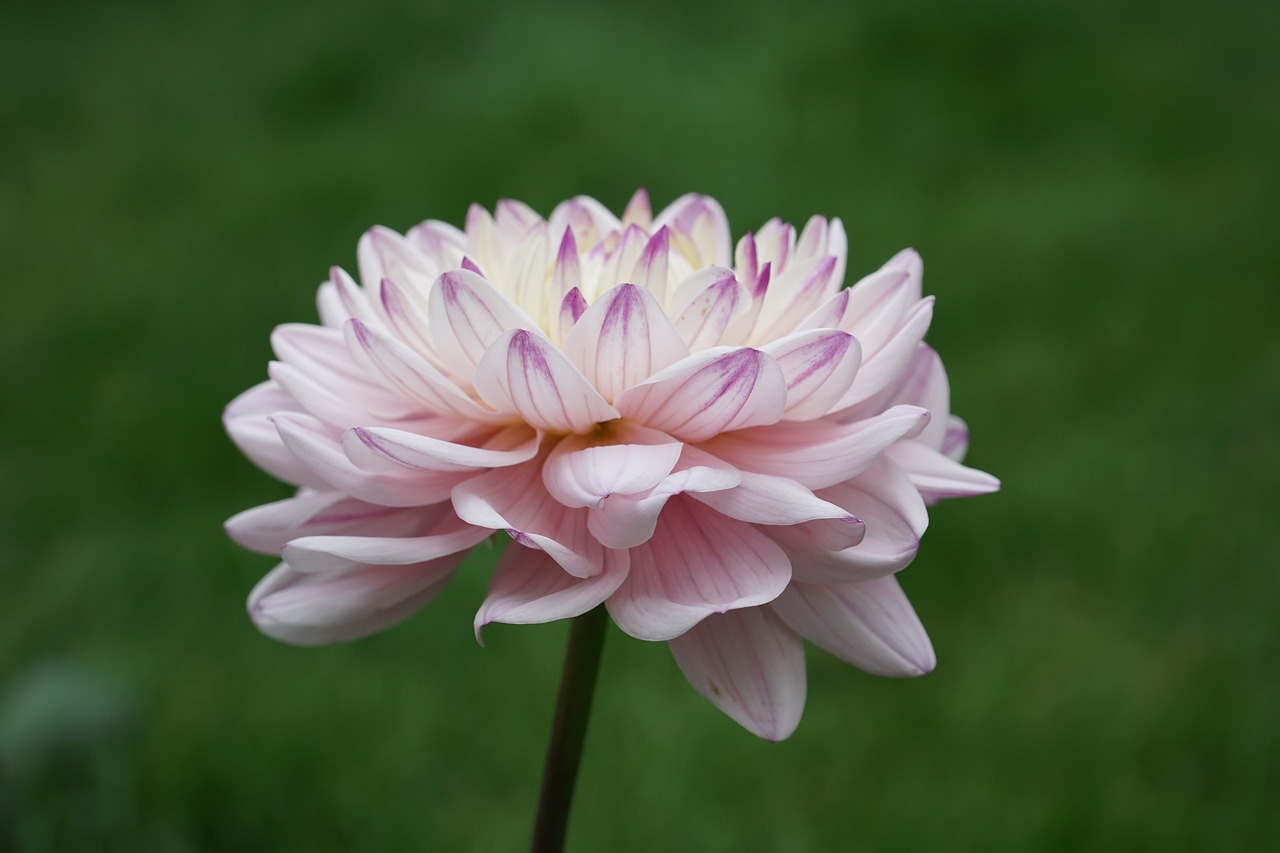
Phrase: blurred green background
(1095, 190)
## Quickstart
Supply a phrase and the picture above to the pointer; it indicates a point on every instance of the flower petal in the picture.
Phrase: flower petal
(819, 365)
(702, 219)
(572, 307)
(715, 298)
(881, 368)
(424, 453)
(894, 518)
(248, 421)
(467, 314)
(697, 562)
(622, 339)
(333, 554)
(528, 587)
(514, 499)
(870, 625)
(582, 474)
(267, 528)
(625, 521)
(763, 499)
(818, 454)
(319, 447)
(523, 373)
(411, 374)
(651, 268)
(748, 664)
(708, 393)
(382, 253)
(938, 476)
(314, 609)
(794, 295)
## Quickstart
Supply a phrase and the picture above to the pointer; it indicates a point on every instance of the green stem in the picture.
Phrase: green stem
(568, 730)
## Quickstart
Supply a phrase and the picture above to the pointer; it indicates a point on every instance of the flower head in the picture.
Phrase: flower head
(721, 444)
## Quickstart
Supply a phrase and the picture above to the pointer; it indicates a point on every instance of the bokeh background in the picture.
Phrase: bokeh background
(1094, 187)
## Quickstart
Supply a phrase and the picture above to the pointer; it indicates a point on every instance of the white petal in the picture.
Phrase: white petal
(894, 518)
(319, 447)
(818, 454)
(870, 624)
(819, 366)
(514, 499)
(314, 609)
(702, 219)
(698, 562)
(411, 374)
(883, 367)
(749, 665)
(625, 521)
(425, 453)
(715, 298)
(623, 339)
(528, 587)
(581, 473)
(345, 553)
(524, 374)
(467, 314)
(247, 420)
(762, 499)
(651, 269)
(938, 476)
(267, 528)
(708, 393)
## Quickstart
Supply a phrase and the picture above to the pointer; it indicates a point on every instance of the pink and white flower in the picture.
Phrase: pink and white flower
(723, 445)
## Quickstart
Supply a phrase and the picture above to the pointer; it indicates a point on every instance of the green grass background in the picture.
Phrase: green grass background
(1095, 190)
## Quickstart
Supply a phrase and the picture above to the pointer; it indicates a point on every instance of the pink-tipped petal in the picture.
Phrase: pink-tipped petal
(524, 374)
(651, 269)
(382, 253)
(881, 369)
(819, 366)
(410, 374)
(590, 220)
(467, 314)
(572, 307)
(714, 299)
(319, 447)
(870, 625)
(623, 339)
(697, 562)
(622, 259)
(314, 609)
(702, 219)
(750, 665)
(818, 454)
(638, 210)
(708, 393)
(795, 295)
(366, 447)
(528, 587)
(566, 275)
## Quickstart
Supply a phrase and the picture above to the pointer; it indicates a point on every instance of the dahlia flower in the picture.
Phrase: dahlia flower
(721, 444)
